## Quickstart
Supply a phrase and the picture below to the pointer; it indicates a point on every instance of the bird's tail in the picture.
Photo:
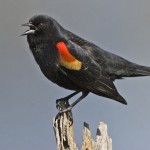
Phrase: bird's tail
(134, 71)
(139, 70)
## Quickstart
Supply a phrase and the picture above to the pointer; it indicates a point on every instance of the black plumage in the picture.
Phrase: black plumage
(94, 69)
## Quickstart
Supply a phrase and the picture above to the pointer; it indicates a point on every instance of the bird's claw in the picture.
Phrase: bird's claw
(65, 110)
(62, 105)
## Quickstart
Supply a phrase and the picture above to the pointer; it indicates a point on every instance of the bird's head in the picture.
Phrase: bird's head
(41, 26)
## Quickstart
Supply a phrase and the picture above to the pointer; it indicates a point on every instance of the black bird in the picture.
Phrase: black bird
(75, 63)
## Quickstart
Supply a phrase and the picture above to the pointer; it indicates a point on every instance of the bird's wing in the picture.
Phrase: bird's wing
(115, 66)
(112, 64)
(78, 65)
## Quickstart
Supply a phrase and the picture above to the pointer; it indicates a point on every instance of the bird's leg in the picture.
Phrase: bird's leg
(69, 107)
(64, 106)
(62, 103)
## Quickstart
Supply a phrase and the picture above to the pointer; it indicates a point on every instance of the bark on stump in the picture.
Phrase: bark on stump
(64, 132)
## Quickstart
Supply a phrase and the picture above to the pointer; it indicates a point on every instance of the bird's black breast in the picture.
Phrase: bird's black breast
(47, 57)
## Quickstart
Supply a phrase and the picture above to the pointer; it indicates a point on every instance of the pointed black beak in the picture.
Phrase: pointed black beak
(31, 30)
(28, 25)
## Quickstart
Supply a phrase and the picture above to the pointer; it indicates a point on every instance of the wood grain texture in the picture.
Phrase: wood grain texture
(64, 133)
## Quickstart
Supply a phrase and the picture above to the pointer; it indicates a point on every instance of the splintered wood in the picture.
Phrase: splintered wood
(103, 141)
(64, 132)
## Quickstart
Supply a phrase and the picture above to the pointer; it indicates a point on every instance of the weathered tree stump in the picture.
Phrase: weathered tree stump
(64, 132)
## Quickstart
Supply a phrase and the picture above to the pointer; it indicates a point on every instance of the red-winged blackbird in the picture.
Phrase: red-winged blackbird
(75, 63)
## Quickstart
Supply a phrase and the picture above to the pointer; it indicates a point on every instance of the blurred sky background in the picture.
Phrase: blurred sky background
(27, 98)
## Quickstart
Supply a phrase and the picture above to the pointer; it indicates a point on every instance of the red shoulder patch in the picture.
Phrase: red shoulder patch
(64, 52)
(66, 59)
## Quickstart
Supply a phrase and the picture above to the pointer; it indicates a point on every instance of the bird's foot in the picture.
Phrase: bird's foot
(62, 104)
(64, 107)
(66, 110)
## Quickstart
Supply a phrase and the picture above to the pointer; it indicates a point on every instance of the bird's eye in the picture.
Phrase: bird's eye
(41, 24)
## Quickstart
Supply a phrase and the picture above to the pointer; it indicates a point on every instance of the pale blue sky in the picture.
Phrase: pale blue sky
(27, 98)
